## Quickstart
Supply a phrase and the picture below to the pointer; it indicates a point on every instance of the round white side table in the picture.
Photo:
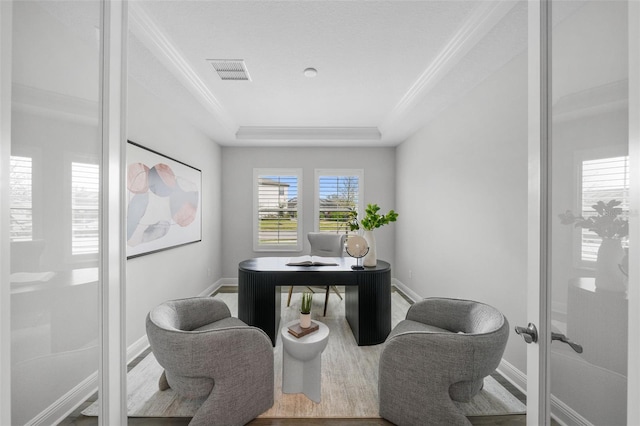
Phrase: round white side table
(302, 360)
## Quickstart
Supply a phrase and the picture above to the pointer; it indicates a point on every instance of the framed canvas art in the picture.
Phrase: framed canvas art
(164, 202)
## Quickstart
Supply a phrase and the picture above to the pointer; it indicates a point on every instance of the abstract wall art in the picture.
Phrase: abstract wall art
(164, 202)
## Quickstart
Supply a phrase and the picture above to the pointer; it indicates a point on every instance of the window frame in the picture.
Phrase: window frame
(69, 255)
(580, 158)
(338, 173)
(257, 173)
(12, 207)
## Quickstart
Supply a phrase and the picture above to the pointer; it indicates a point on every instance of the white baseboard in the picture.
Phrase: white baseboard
(406, 290)
(60, 409)
(561, 412)
(70, 401)
(137, 348)
(516, 377)
(214, 287)
(565, 415)
(228, 281)
(65, 405)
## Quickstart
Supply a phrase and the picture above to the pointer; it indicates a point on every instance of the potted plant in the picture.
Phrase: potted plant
(609, 225)
(305, 310)
(371, 220)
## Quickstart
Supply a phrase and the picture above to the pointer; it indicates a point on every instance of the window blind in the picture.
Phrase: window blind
(20, 198)
(85, 201)
(277, 210)
(603, 179)
(338, 198)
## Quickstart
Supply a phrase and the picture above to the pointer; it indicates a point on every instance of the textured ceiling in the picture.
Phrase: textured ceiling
(385, 68)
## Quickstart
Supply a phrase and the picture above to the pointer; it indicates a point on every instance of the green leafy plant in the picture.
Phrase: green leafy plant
(372, 219)
(608, 222)
(305, 305)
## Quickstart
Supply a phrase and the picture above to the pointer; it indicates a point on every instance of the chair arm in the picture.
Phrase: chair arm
(426, 311)
(222, 353)
(188, 314)
(443, 358)
(219, 310)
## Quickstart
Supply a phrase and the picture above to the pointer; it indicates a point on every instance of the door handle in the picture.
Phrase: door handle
(530, 334)
(561, 337)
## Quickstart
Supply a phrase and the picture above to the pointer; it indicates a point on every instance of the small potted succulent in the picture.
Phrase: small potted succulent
(305, 310)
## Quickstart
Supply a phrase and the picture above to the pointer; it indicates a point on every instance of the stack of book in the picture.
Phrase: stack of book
(298, 331)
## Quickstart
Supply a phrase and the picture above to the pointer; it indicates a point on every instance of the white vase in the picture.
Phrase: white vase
(370, 259)
(305, 320)
(608, 273)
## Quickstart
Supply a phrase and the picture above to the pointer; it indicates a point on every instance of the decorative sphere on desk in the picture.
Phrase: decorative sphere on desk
(357, 247)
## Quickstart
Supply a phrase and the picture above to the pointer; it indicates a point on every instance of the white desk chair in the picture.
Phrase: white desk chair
(327, 245)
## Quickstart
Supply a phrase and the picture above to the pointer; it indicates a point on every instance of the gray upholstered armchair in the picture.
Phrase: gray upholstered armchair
(439, 354)
(206, 352)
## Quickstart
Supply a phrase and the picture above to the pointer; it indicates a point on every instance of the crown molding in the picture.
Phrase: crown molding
(474, 29)
(145, 29)
(592, 101)
(54, 105)
(308, 133)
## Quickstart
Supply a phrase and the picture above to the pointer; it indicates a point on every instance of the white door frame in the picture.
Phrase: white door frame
(6, 17)
(538, 303)
(633, 370)
(113, 366)
(112, 369)
(539, 56)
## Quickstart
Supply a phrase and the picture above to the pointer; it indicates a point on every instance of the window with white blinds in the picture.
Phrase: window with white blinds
(338, 194)
(85, 202)
(21, 198)
(603, 179)
(277, 209)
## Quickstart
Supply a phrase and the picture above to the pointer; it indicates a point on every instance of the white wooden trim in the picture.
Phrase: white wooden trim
(308, 133)
(566, 415)
(112, 369)
(335, 172)
(66, 404)
(139, 346)
(538, 131)
(214, 287)
(229, 281)
(480, 22)
(299, 173)
(6, 13)
(516, 377)
(406, 290)
(146, 30)
(62, 407)
(633, 371)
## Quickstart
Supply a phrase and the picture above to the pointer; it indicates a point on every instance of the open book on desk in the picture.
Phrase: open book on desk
(312, 261)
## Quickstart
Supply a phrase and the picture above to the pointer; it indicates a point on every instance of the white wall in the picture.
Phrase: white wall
(462, 186)
(188, 270)
(237, 191)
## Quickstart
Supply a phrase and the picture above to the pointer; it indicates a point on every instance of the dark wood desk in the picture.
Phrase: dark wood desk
(367, 294)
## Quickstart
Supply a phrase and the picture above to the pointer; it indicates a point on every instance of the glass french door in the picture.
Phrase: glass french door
(581, 195)
(54, 199)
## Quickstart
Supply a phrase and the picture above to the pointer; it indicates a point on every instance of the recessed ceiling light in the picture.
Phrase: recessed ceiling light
(310, 72)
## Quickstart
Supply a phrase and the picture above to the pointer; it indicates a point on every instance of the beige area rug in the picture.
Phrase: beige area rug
(349, 376)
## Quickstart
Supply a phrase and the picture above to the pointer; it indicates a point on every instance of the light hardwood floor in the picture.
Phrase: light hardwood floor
(77, 419)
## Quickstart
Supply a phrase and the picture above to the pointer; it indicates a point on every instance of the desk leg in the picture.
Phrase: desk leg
(368, 308)
(259, 302)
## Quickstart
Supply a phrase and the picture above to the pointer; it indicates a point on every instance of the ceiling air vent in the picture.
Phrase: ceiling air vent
(230, 69)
